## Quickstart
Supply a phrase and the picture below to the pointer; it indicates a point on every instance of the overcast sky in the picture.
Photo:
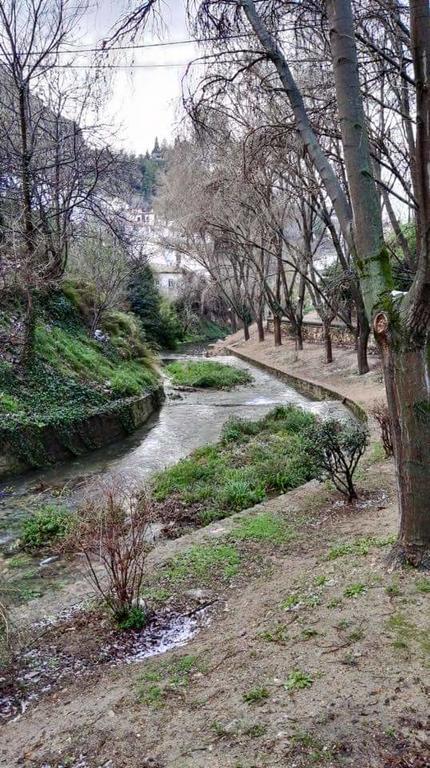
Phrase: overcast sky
(144, 102)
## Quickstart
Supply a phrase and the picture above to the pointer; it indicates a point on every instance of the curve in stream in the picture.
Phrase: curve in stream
(185, 421)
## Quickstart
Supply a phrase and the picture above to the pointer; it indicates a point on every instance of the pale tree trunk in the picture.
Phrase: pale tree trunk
(403, 331)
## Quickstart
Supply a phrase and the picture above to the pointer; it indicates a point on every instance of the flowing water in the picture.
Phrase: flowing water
(185, 421)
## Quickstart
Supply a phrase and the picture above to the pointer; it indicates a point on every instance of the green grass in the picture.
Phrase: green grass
(206, 374)
(203, 562)
(256, 695)
(423, 585)
(355, 590)
(71, 378)
(253, 460)
(360, 546)
(263, 527)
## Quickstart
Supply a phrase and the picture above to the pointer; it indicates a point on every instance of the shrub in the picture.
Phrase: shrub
(336, 449)
(47, 526)
(111, 531)
(381, 414)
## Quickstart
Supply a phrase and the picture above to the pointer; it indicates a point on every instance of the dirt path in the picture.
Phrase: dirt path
(319, 657)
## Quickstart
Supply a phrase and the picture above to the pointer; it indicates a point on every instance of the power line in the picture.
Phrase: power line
(141, 46)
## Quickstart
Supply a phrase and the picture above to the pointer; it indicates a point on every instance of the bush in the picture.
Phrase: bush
(207, 374)
(111, 531)
(336, 449)
(47, 526)
(381, 414)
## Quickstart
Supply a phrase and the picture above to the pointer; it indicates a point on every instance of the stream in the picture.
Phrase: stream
(185, 421)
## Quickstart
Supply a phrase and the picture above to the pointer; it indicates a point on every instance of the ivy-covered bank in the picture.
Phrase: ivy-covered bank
(79, 392)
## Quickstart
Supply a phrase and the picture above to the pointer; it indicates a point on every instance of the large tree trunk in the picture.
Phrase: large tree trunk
(246, 330)
(407, 380)
(277, 331)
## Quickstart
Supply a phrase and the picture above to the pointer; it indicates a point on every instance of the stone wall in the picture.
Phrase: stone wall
(48, 445)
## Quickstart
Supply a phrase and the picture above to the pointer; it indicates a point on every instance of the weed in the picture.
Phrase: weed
(298, 601)
(360, 546)
(298, 680)
(355, 590)
(161, 678)
(276, 635)
(335, 602)
(48, 525)
(308, 633)
(393, 589)
(320, 581)
(134, 619)
(256, 695)
(356, 635)
(423, 585)
(255, 731)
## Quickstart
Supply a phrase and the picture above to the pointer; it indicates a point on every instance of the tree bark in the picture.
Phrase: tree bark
(246, 330)
(327, 343)
(299, 335)
(260, 326)
(362, 340)
(277, 331)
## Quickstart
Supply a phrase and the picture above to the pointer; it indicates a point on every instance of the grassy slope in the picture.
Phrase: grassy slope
(73, 375)
(207, 374)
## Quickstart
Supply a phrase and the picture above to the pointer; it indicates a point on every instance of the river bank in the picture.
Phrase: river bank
(308, 364)
(311, 653)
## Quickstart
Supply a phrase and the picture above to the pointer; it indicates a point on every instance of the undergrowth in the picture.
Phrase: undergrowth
(71, 378)
(253, 460)
(206, 374)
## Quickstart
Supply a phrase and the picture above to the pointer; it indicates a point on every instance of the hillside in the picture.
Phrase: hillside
(73, 376)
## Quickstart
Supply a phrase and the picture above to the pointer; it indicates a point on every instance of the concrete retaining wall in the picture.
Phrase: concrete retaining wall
(310, 389)
(79, 437)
